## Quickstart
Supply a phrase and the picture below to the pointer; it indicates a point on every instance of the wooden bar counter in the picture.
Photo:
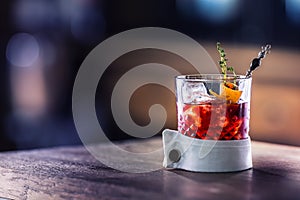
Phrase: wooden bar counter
(73, 173)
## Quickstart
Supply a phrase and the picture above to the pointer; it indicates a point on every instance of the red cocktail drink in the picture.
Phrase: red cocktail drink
(214, 120)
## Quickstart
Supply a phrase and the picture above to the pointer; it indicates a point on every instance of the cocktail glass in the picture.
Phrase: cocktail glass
(211, 107)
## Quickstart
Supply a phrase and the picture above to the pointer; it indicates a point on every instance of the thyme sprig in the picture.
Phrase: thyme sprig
(223, 62)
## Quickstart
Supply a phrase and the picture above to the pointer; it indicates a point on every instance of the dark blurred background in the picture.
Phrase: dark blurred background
(43, 44)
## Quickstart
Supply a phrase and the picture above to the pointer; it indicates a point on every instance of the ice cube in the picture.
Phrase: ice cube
(195, 92)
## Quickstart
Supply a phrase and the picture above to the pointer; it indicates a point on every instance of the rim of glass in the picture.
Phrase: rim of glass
(211, 77)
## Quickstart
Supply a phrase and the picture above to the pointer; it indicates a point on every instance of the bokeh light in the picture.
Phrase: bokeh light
(22, 50)
(34, 15)
(87, 25)
(217, 11)
(292, 8)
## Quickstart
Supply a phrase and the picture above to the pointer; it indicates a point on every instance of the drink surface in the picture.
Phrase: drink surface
(214, 120)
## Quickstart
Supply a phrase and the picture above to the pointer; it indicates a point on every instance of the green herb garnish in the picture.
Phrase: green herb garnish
(223, 62)
(229, 91)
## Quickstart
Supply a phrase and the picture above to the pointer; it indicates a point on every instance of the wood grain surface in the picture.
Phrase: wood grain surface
(72, 173)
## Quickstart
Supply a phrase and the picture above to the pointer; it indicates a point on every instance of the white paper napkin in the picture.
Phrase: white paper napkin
(198, 155)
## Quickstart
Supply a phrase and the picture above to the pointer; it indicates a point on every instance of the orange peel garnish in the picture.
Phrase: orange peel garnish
(228, 94)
